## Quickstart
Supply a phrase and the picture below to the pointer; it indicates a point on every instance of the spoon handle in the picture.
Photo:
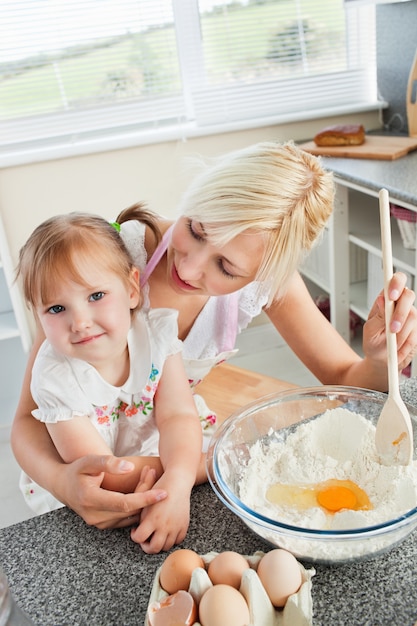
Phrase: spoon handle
(384, 210)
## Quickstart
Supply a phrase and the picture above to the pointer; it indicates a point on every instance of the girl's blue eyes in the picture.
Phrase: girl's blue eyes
(198, 237)
(58, 308)
(97, 296)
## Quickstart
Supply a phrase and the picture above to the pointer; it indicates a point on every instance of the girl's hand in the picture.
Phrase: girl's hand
(81, 483)
(403, 323)
(165, 524)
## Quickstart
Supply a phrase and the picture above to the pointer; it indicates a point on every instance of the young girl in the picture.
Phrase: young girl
(109, 379)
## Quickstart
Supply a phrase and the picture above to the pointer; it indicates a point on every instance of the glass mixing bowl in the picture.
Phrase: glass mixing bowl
(270, 421)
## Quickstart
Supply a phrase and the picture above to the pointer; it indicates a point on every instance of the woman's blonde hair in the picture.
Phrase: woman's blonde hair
(271, 188)
(60, 247)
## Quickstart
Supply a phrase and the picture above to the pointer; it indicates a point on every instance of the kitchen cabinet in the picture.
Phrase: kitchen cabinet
(15, 338)
(364, 234)
(347, 263)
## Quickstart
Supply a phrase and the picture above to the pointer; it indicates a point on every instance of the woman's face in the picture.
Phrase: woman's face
(196, 266)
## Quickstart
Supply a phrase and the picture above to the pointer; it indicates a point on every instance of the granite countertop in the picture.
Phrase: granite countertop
(397, 176)
(63, 572)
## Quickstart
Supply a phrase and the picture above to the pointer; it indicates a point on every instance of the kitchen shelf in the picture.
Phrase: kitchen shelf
(364, 231)
(348, 262)
(358, 299)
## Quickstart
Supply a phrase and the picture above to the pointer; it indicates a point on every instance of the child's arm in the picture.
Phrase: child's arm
(76, 437)
(180, 444)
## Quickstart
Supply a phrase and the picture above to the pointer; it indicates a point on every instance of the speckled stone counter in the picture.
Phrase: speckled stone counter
(63, 572)
(399, 177)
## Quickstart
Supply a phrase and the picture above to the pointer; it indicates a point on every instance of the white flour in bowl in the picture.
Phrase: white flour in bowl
(340, 445)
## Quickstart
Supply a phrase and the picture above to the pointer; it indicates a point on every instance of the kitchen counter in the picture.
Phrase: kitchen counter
(63, 572)
(397, 176)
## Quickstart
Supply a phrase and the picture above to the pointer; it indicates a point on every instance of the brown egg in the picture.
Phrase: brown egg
(222, 605)
(280, 574)
(177, 568)
(227, 568)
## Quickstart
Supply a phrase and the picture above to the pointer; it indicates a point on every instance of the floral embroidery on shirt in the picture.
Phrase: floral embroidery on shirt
(106, 415)
(145, 404)
(208, 420)
(101, 414)
(131, 410)
(194, 383)
(28, 491)
(120, 408)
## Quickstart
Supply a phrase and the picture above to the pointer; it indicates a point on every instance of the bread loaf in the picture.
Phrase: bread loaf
(341, 135)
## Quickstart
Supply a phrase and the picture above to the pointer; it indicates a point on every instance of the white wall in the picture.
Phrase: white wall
(108, 182)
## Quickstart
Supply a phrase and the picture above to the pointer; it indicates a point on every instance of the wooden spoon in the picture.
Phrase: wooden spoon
(394, 432)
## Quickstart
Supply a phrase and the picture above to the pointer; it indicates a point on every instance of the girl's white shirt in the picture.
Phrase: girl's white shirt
(64, 387)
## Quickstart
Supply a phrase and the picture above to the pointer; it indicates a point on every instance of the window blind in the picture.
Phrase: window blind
(73, 69)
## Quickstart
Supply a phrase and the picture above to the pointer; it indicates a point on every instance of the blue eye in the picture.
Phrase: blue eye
(98, 295)
(57, 308)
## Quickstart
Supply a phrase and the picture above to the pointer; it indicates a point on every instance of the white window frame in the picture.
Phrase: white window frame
(81, 132)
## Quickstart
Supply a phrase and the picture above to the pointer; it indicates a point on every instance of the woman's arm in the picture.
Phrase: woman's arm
(327, 355)
(29, 438)
(77, 484)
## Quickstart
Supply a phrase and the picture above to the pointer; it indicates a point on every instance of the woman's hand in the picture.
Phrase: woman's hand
(403, 323)
(80, 485)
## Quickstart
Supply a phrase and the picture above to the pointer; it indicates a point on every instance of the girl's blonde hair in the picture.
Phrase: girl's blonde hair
(271, 188)
(60, 247)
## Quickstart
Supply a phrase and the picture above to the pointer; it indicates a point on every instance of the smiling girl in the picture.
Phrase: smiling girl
(109, 379)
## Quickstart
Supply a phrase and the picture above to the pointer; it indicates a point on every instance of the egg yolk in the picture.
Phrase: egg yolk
(332, 495)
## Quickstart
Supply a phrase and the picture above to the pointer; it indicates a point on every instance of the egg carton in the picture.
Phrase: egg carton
(298, 610)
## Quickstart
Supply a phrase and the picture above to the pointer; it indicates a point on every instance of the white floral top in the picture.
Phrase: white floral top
(64, 388)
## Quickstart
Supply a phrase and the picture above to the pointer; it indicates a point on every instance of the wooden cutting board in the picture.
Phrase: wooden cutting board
(228, 388)
(374, 147)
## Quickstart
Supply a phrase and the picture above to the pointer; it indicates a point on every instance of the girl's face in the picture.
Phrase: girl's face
(196, 266)
(90, 322)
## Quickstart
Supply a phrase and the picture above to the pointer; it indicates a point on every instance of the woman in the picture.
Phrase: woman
(246, 224)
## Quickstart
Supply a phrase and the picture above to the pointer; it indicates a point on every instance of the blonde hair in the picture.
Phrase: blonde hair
(60, 247)
(271, 188)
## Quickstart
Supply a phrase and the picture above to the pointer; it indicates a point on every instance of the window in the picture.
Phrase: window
(78, 70)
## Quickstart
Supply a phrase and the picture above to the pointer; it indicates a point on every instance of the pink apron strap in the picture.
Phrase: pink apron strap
(230, 329)
(156, 257)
